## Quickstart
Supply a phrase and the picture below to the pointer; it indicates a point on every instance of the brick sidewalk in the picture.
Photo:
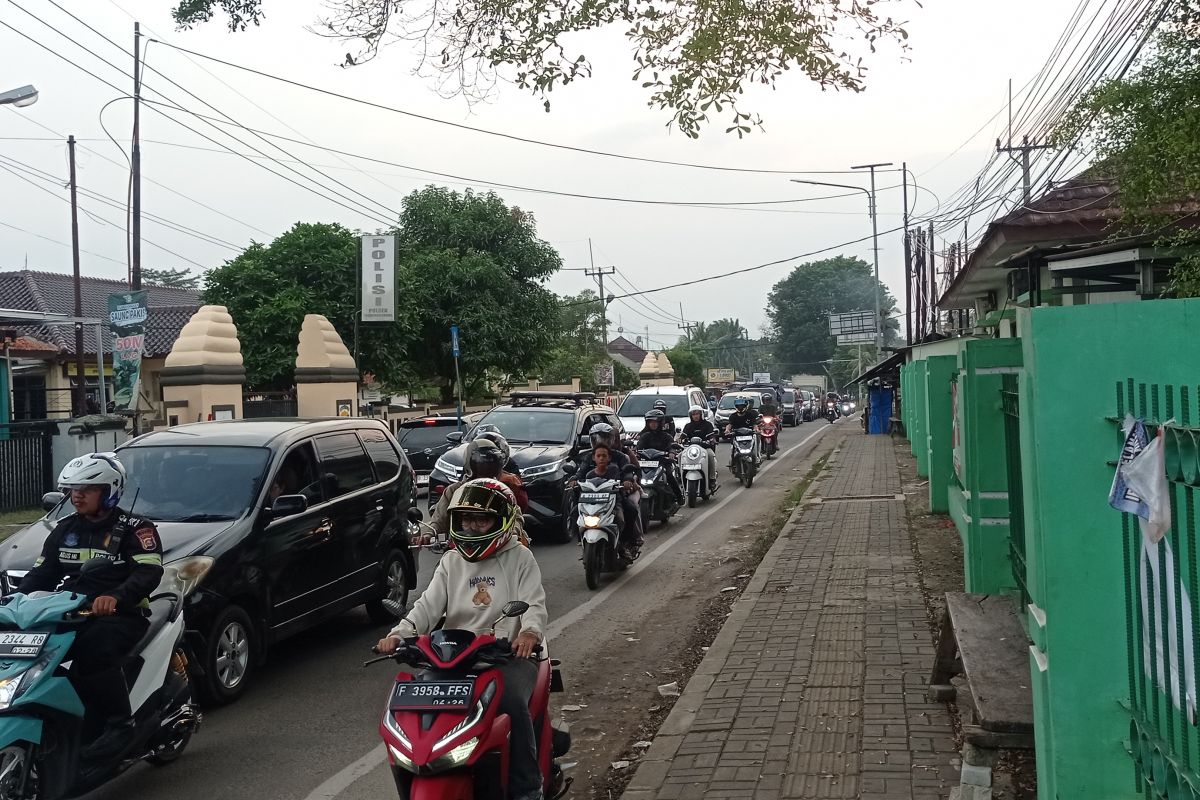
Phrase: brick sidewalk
(815, 686)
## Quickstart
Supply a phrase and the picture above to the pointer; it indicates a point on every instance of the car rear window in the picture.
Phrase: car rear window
(789, 397)
(424, 436)
(344, 465)
(383, 454)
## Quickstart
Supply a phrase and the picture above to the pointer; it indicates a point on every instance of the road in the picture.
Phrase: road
(307, 729)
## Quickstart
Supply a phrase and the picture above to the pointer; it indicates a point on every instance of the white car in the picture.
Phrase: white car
(678, 399)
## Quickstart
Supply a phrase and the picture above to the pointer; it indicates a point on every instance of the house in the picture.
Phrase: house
(627, 353)
(43, 357)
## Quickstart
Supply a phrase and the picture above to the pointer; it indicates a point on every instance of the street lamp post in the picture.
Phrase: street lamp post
(19, 97)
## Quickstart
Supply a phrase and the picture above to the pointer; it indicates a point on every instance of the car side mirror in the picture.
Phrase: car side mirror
(415, 515)
(50, 500)
(514, 608)
(288, 505)
(454, 437)
(585, 442)
(569, 469)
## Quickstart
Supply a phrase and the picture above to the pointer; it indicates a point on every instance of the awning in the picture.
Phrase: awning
(889, 367)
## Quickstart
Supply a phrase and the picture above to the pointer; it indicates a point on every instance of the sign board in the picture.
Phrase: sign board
(454, 339)
(852, 322)
(856, 338)
(127, 320)
(378, 278)
(605, 374)
(761, 377)
(721, 375)
(344, 408)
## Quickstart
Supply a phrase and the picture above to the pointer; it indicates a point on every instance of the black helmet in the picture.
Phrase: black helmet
(484, 459)
(655, 414)
(661, 405)
(740, 402)
(603, 433)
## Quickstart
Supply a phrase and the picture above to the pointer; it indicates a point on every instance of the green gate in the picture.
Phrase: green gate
(1161, 588)
(1010, 403)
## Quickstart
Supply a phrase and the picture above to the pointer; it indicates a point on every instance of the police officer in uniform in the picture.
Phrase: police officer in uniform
(119, 594)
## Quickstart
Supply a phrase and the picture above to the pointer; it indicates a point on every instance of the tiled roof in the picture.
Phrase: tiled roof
(624, 347)
(27, 344)
(53, 293)
(1085, 200)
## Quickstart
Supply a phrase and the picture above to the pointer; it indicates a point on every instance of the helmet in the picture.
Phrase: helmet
(95, 469)
(483, 459)
(768, 398)
(661, 405)
(740, 402)
(493, 435)
(655, 414)
(695, 410)
(603, 433)
(482, 496)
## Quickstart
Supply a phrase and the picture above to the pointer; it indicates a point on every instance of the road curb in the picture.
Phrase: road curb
(653, 767)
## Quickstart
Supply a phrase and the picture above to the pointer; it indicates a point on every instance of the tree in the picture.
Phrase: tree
(175, 278)
(799, 307)
(1145, 132)
(689, 365)
(579, 347)
(310, 269)
(692, 55)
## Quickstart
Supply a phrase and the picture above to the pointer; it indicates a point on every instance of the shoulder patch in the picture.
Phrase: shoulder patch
(147, 538)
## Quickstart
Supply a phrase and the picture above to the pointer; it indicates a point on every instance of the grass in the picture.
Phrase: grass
(12, 521)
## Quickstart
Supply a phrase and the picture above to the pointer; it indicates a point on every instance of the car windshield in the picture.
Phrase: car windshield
(636, 405)
(532, 425)
(190, 484)
(789, 398)
(728, 400)
(422, 437)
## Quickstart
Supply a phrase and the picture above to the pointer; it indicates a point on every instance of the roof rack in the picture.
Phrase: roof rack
(575, 399)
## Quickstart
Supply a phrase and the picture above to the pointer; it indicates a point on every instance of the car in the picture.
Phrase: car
(424, 442)
(808, 405)
(678, 399)
(271, 525)
(545, 430)
(725, 407)
(790, 410)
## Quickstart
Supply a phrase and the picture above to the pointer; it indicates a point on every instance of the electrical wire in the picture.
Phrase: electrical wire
(59, 242)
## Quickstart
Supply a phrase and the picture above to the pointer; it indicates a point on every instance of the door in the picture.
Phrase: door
(357, 509)
(300, 555)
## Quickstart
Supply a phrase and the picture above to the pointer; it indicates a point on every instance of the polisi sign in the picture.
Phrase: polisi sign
(378, 278)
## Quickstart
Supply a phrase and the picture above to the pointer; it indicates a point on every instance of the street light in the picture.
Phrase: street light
(20, 97)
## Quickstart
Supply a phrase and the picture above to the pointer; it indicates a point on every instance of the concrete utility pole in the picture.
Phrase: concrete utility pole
(79, 395)
(875, 248)
(1024, 149)
(599, 274)
(135, 161)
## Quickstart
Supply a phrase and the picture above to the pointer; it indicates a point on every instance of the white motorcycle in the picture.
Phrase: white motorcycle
(693, 462)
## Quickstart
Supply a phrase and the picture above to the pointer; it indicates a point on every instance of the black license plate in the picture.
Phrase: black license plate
(22, 645)
(431, 695)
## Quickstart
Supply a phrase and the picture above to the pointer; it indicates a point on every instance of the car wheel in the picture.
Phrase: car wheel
(564, 532)
(392, 601)
(229, 657)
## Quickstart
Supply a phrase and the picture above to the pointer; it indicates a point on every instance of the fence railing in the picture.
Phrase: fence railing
(1010, 403)
(26, 465)
(1162, 585)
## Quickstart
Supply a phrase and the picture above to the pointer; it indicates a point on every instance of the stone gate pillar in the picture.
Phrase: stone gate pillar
(326, 375)
(203, 375)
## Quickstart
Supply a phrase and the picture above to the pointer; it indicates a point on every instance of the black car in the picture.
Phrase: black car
(790, 410)
(545, 430)
(269, 525)
(424, 442)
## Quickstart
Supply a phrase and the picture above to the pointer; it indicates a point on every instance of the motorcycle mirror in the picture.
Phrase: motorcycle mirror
(569, 469)
(50, 500)
(514, 608)
(415, 515)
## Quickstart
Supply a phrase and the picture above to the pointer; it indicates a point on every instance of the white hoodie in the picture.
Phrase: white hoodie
(472, 594)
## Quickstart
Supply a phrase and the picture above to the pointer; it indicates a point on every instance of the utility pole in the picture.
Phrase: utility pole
(135, 191)
(908, 282)
(684, 325)
(1025, 148)
(599, 274)
(78, 395)
(875, 249)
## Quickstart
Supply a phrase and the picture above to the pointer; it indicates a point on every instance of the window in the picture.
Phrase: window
(789, 398)
(195, 483)
(531, 425)
(728, 400)
(298, 474)
(424, 437)
(382, 453)
(636, 405)
(344, 465)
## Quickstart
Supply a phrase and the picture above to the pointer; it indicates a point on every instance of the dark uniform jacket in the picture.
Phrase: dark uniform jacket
(130, 542)
(746, 420)
(702, 429)
(655, 440)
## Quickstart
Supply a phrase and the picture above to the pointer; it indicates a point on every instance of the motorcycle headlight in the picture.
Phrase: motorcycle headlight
(591, 522)
(647, 481)
(184, 575)
(12, 687)
(456, 757)
(542, 470)
(8, 690)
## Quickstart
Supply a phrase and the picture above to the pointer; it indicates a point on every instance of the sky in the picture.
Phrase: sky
(939, 107)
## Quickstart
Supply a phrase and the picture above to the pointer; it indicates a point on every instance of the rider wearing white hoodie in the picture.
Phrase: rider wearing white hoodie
(487, 568)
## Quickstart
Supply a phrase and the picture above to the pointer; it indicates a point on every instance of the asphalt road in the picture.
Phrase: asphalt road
(308, 728)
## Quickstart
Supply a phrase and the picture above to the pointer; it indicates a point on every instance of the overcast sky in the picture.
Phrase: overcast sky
(920, 108)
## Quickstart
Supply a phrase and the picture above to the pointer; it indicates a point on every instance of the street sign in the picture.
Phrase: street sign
(378, 278)
(852, 322)
(721, 375)
(761, 377)
(454, 339)
(605, 374)
(856, 338)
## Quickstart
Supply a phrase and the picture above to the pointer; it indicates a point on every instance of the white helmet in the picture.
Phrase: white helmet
(95, 469)
(694, 409)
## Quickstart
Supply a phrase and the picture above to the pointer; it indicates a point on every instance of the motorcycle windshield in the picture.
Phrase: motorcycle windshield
(25, 611)
(449, 643)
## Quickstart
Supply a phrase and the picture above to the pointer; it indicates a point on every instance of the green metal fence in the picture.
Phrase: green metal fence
(1161, 585)
(1011, 406)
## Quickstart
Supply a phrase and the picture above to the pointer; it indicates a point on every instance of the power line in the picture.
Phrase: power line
(60, 242)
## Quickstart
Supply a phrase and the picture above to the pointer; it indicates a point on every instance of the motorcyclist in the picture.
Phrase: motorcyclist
(486, 569)
(699, 427)
(744, 416)
(510, 473)
(603, 434)
(655, 437)
(100, 528)
(484, 459)
(668, 420)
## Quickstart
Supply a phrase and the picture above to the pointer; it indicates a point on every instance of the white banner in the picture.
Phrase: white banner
(378, 278)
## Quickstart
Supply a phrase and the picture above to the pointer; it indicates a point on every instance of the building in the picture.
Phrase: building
(43, 357)
(626, 353)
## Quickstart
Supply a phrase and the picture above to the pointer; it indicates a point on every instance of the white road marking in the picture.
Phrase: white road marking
(341, 780)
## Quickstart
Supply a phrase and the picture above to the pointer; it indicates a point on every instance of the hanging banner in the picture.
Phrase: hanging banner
(378, 278)
(127, 322)
(605, 374)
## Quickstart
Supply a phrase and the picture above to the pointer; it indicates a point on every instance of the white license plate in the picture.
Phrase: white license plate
(22, 645)
(422, 480)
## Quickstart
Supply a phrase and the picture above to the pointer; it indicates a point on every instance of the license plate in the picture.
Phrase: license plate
(594, 497)
(22, 645)
(431, 695)
(745, 439)
(422, 480)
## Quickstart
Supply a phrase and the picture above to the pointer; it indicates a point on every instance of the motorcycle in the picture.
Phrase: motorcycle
(847, 408)
(693, 462)
(831, 411)
(768, 430)
(658, 501)
(444, 734)
(599, 529)
(745, 456)
(43, 727)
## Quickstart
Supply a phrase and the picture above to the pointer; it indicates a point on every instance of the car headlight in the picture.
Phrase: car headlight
(446, 468)
(591, 522)
(184, 575)
(542, 470)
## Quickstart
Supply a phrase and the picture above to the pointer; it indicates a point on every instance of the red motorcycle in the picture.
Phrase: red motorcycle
(446, 738)
(768, 432)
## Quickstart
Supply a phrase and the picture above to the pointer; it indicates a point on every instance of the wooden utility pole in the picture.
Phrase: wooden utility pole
(135, 163)
(79, 396)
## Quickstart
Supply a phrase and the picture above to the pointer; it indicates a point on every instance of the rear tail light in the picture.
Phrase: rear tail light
(440, 489)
